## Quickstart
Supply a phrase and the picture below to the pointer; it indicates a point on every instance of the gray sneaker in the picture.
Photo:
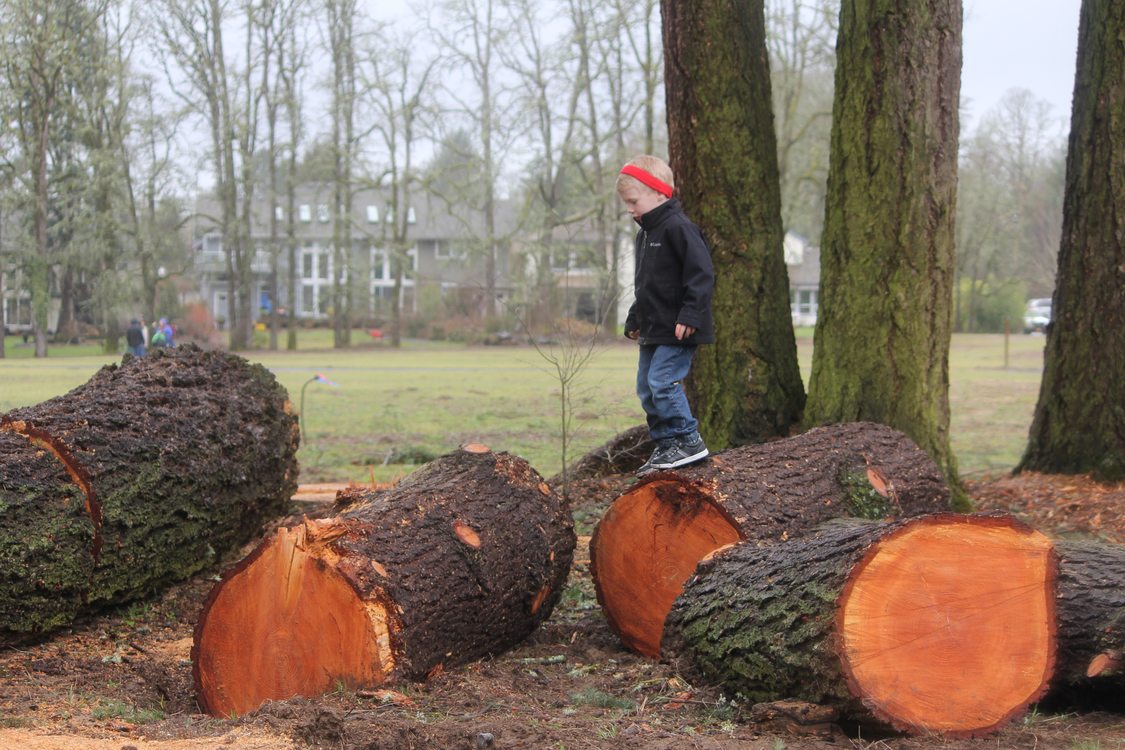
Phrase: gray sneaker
(683, 451)
(662, 447)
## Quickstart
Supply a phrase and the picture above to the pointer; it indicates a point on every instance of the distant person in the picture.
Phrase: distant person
(158, 340)
(169, 333)
(671, 314)
(145, 331)
(135, 338)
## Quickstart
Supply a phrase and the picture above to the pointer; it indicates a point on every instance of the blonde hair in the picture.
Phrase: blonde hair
(654, 165)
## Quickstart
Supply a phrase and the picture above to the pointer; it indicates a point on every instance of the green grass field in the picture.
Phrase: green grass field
(394, 409)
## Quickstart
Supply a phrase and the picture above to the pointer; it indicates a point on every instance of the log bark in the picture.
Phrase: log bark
(148, 473)
(939, 624)
(1091, 605)
(649, 541)
(464, 558)
(622, 454)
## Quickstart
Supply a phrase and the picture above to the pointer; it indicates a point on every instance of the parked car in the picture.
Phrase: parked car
(1037, 315)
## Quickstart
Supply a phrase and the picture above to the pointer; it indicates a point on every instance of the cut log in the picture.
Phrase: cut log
(464, 558)
(622, 454)
(940, 624)
(148, 473)
(650, 539)
(1091, 617)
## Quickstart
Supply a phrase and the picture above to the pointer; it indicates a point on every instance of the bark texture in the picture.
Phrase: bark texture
(1091, 606)
(941, 624)
(1079, 423)
(649, 541)
(464, 558)
(747, 386)
(150, 472)
(881, 345)
(622, 454)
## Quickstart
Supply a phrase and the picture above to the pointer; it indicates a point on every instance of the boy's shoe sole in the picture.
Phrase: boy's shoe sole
(684, 461)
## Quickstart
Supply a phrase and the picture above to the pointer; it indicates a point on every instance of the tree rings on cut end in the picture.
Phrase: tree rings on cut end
(645, 548)
(949, 624)
(284, 623)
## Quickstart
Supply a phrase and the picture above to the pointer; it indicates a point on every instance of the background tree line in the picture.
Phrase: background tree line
(472, 100)
(119, 112)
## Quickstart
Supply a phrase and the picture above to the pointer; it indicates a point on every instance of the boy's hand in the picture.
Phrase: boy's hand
(634, 335)
(682, 331)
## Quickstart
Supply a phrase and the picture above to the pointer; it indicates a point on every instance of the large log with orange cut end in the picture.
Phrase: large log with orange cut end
(940, 624)
(462, 559)
(650, 539)
(151, 471)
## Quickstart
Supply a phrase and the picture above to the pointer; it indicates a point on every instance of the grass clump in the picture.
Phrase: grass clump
(600, 699)
(126, 712)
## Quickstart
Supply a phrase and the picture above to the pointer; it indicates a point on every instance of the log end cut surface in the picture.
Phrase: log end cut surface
(645, 548)
(949, 626)
(285, 623)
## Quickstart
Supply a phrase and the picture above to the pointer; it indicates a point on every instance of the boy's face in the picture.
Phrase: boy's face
(639, 199)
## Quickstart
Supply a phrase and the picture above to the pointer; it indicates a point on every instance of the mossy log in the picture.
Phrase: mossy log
(462, 559)
(650, 539)
(1091, 607)
(939, 624)
(148, 473)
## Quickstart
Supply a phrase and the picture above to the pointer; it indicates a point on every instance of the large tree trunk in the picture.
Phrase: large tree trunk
(881, 346)
(1079, 423)
(464, 558)
(148, 473)
(649, 541)
(940, 624)
(746, 387)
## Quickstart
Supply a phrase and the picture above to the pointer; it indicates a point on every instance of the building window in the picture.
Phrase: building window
(446, 251)
(308, 299)
(279, 213)
(322, 213)
(372, 214)
(803, 306)
(304, 211)
(411, 218)
(380, 266)
(316, 280)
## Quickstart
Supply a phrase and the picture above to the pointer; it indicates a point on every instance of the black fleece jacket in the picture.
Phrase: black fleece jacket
(673, 280)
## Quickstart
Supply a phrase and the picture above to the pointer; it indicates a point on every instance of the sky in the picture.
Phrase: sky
(1027, 44)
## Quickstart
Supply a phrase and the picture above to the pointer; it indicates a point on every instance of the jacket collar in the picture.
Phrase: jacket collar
(657, 215)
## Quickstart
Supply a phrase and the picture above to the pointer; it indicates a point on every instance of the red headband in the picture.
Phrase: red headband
(648, 179)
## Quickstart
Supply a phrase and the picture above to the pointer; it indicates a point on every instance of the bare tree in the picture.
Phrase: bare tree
(547, 78)
(340, 24)
(400, 80)
(293, 54)
(192, 38)
(471, 32)
(801, 41)
(42, 58)
(1009, 211)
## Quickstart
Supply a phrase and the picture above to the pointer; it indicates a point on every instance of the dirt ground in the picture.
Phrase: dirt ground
(123, 681)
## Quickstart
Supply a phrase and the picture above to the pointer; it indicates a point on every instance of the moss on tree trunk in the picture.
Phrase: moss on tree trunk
(747, 386)
(887, 253)
(1079, 423)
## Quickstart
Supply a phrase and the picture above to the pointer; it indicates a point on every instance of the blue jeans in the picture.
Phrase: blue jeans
(660, 373)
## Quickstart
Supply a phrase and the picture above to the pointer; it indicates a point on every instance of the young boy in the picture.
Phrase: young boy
(671, 314)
